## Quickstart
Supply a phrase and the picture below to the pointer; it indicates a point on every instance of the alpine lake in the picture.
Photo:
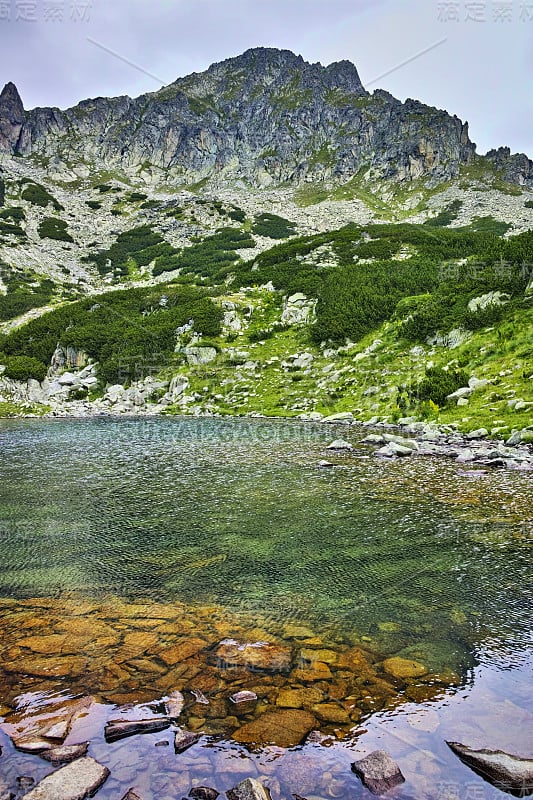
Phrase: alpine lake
(384, 603)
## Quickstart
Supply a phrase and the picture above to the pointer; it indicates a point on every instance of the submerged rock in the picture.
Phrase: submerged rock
(403, 667)
(131, 795)
(66, 753)
(174, 704)
(243, 697)
(285, 728)
(508, 773)
(121, 729)
(76, 781)
(250, 789)
(262, 656)
(378, 772)
(203, 793)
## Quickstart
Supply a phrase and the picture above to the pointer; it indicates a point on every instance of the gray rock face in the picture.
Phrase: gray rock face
(76, 781)
(509, 773)
(378, 772)
(200, 355)
(266, 117)
(517, 168)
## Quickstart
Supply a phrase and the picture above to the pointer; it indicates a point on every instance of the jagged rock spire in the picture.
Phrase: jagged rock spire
(12, 117)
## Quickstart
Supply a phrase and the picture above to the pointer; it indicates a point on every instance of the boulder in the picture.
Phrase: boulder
(401, 440)
(256, 656)
(344, 417)
(373, 438)
(392, 450)
(480, 433)
(459, 394)
(196, 356)
(76, 781)
(250, 789)
(378, 772)
(505, 771)
(340, 444)
(131, 795)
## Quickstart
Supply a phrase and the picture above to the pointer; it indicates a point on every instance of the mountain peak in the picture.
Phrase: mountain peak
(10, 97)
(12, 117)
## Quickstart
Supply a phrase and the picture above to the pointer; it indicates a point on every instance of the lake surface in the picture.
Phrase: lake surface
(234, 524)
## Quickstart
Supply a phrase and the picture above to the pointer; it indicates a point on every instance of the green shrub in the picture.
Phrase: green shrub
(94, 204)
(20, 368)
(211, 257)
(136, 197)
(438, 384)
(37, 195)
(2, 191)
(445, 217)
(54, 228)
(273, 226)
(130, 333)
(528, 204)
(237, 214)
(16, 214)
(134, 248)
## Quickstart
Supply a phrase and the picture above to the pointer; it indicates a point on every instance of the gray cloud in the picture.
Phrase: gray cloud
(478, 73)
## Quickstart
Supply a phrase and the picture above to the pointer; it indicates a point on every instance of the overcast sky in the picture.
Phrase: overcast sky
(478, 62)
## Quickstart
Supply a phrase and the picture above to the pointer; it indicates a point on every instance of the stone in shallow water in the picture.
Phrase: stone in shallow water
(76, 781)
(175, 704)
(283, 728)
(509, 773)
(262, 656)
(250, 789)
(330, 712)
(120, 729)
(185, 739)
(200, 697)
(378, 772)
(340, 444)
(182, 651)
(317, 671)
(203, 793)
(243, 697)
(131, 795)
(403, 667)
(66, 753)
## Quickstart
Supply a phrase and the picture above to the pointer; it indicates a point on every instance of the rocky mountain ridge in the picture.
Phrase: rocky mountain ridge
(264, 118)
